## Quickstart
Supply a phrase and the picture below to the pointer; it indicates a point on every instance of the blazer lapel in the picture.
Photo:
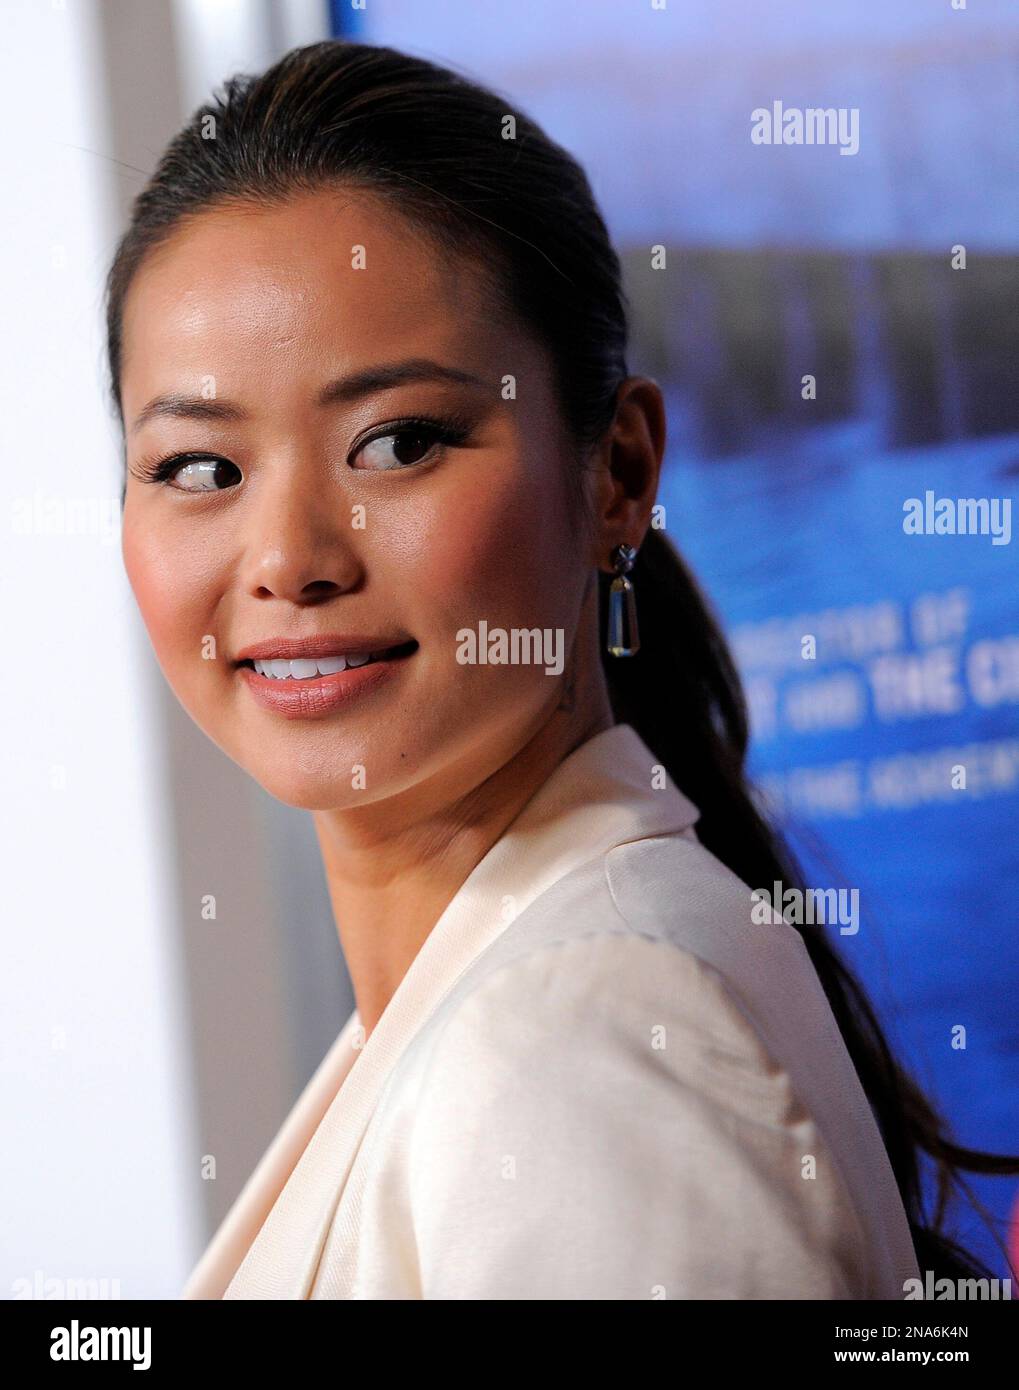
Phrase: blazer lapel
(598, 797)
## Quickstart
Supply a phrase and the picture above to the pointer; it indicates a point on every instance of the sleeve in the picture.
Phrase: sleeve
(599, 1120)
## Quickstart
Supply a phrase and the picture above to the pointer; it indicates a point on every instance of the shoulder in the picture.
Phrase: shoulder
(639, 956)
(598, 1117)
(588, 1010)
(656, 927)
(598, 992)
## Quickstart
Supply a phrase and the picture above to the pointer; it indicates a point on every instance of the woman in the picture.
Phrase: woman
(580, 1065)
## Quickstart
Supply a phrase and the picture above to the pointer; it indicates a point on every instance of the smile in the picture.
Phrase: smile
(315, 684)
(305, 670)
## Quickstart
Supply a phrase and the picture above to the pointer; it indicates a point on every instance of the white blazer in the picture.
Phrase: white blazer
(599, 1079)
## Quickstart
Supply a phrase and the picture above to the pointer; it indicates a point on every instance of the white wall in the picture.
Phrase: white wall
(114, 1081)
(94, 1087)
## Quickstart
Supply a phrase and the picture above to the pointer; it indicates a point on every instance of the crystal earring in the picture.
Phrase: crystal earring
(622, 625)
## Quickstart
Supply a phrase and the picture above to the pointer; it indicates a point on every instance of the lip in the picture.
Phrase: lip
(318, 696)
(325, 644)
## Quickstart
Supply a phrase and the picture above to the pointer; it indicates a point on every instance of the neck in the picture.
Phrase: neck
(393, 867)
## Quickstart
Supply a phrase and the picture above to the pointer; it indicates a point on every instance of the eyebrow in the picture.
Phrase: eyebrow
(371, 380)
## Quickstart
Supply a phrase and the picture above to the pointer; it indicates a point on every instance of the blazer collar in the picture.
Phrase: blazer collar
(605, 793)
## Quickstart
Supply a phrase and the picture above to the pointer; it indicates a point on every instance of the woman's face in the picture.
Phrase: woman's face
(290, 350)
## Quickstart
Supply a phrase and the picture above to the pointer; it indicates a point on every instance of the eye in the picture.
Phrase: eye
(206, 475)
(192, 473)
(408, 443)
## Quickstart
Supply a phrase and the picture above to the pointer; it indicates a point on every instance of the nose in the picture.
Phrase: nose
(299, 545)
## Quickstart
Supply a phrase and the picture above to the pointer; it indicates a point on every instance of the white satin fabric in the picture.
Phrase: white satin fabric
(599, 1079)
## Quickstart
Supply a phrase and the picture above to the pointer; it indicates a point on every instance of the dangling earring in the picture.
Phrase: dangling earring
(622, 625)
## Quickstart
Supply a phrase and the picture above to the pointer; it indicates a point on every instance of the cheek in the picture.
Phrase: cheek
(504, 550)
(172, 587)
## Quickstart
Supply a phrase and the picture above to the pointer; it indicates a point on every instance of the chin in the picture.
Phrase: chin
(308, 792)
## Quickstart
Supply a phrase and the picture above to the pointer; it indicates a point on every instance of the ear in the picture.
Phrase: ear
(627, 464)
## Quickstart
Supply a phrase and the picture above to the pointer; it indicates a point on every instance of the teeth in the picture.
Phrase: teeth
(307, 669)
(301, 670)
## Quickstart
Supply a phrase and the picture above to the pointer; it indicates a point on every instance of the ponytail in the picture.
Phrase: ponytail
(682, 694)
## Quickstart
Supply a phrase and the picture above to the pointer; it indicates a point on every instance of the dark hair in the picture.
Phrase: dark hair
(434, 142)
